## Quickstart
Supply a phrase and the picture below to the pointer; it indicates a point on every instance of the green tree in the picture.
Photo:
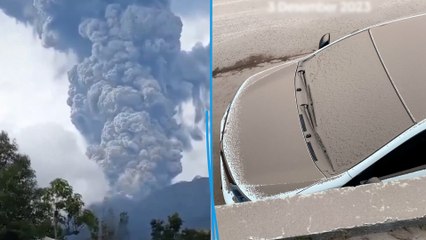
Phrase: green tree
(21, 210)
(111, 229)
(122, 230)
(194, 234)
(107, 231)
(157, 229)
(29, 212)
(67, 212)
(172, 230)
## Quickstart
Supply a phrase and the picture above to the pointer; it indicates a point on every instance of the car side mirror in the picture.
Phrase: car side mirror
(324, 41)
(374, 180)
(371, 180)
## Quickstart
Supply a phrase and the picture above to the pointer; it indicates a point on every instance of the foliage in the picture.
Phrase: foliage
(111, 229)
(66, 209)
(108, 226)
(22, 213)
(172, 230)
(194, 234)
(29, 212)
(123, 231)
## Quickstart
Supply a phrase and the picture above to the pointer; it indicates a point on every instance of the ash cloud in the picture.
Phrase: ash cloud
(56, 22)
(130, 83)
(22, 10)
(191, 7)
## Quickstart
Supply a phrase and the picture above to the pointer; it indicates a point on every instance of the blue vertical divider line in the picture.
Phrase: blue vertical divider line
(209, 133)
(213, 229)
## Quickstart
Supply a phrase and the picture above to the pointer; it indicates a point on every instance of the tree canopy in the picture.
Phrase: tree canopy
(30, 212)
(22, 212)
(56, 211)
(171, 230)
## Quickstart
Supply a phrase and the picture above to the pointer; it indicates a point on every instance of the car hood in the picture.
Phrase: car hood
(263, 143)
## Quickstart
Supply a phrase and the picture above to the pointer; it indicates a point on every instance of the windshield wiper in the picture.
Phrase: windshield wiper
(308, 110)
(309, 107)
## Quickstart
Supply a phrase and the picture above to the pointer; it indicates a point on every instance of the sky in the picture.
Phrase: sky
(195, 16)
(33, 109)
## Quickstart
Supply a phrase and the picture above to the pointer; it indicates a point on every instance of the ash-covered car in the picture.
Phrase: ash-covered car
(351, 113)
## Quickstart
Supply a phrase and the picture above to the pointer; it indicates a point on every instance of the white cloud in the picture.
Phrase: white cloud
(195, 29)
(56, 152)
(194, 162)
(33, 93)
(195, 18)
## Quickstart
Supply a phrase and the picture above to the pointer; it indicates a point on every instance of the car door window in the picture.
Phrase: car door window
(408, 157)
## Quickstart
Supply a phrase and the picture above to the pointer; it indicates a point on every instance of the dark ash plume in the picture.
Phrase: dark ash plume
(125, 95)
(130, 84)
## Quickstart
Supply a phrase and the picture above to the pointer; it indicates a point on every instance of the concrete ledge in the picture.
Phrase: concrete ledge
(342, 212)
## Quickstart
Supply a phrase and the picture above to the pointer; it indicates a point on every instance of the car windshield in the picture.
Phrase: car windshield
(357, 110)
